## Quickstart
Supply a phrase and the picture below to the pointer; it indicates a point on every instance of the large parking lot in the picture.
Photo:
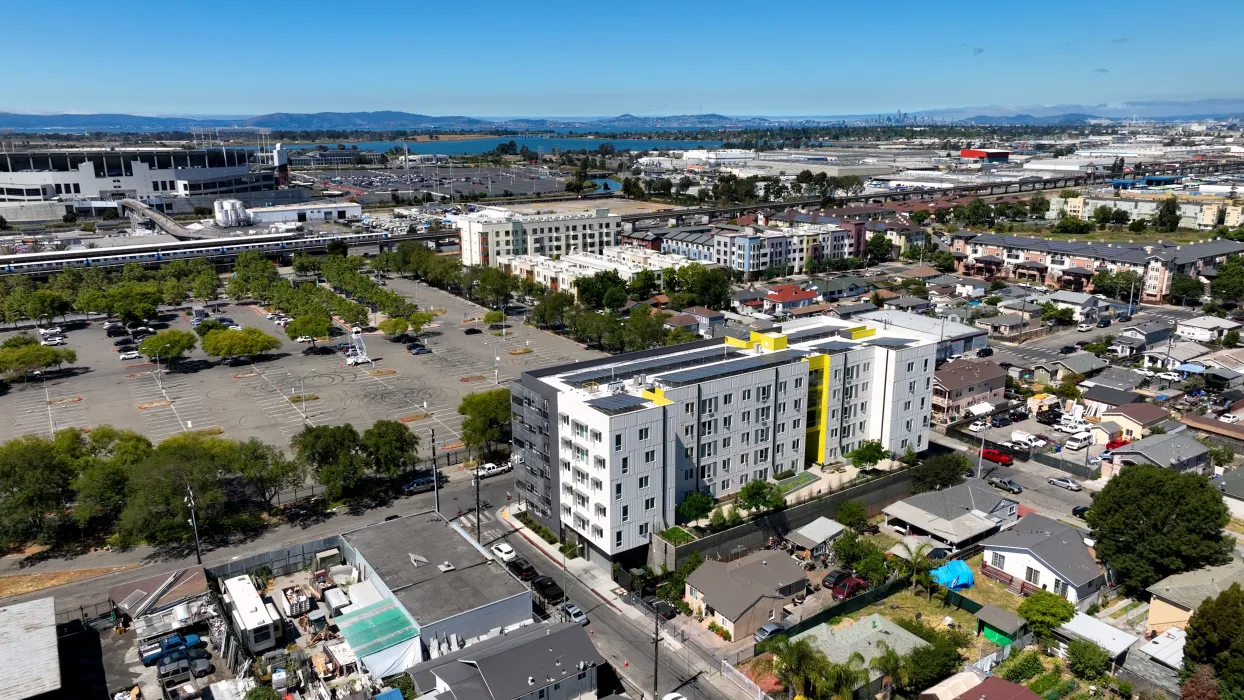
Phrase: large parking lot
(253, 399)
(444, 181)
(1046, 432)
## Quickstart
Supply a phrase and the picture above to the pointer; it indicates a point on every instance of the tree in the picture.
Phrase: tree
(878, 248)
(936, 660)
(1038, 206)
(1201, 685)
(17, 362)
(853, 514)
(867, 454)
(394, 327)
(391, 446)
(1072, 224)
(759, 494)
(551, 309)
(841, 680)
(1167, 220)
(1216, 636)
(1102, 214)
(1044, 612)
(46, 304)
(695, 505)
(155, 503)
(34, 486)
(338, 248)
(1231, 338)
(487, 419)
(1229, 284)
(266, 471)
(333, 452)
(169, 344)
(210, 325)
(891, 665)
(312, 325)
(1086, 660)
(1185, 286)
(262, 692)
(644, 329)
(1150, 522)
(643, 285)
(798, 665)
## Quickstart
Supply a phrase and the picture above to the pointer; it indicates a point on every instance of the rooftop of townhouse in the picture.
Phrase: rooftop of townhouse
(499, 214)
(636, 381)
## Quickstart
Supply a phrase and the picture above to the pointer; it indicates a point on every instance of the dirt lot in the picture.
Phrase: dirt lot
(26, 583)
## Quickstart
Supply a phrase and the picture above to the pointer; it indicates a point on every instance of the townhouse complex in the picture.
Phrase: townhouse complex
(610, 447)
(560, 274)
(1199, 211)
(491, 232)
(1072, 264)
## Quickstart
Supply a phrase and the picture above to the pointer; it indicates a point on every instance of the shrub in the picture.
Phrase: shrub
(1046, 683)
(537, 527)
(1022, 667)
(788, 474)
(1124, 688)
(1087, 660)
(1093, 609)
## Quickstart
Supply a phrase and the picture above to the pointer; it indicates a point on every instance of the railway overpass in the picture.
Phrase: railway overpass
(138, 210)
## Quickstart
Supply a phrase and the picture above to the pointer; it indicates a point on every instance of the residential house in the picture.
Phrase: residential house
(1149, 333)
(783, 298)
(955, 338)
(1024, 307)
(1084, 307)
(1040, 554)
(1058, 369)
(817, 536)
(1177, 596)
(971, 687)
(1136, 419)
(1125, 346)
(1205, 329)
(706, 319)
(961, 384)
(1159, 662)
(813, 310)
(923, 273)
(1006, 324)
(554, 662)
(1002, 627)
(684, 321)
(748, 301)
(836, 288)
(1172, 355)
(968, 287)
(745, 594)
(1220, 379)
(864, 637)
(1231, 358)
(958, 516)
(1178, 451)
(1105, 431)
(1115, 641)
(1115, 378)
(846, 311)
(915, 305)
(1098, 399)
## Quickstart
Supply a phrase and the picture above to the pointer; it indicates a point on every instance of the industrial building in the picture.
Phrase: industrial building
(491, 232)
(609, 447)
(1195, 211)
(230, 212)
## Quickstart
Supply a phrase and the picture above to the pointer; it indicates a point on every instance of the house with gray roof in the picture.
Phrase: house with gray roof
(1084, 307)
(1006, 324)
(546, 661)
(864, 637)
(849, 310)
(915, 305)
(1177, 596)
(1054, 371)
(745, 594)
(1148, 332)
(817, 536)
(958, 516)
(1115, 378)
(1098, 399)
(1040, 554)
(835, 288)
(1178, 451)
(1171, 355)
(1023, 307)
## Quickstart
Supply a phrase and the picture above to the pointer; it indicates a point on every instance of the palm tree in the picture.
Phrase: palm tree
(892, 666)
(796, 664)
(921, 564)
(839, 681)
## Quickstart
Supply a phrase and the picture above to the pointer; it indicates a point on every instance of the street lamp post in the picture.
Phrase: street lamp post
(194, 524)
(436, 482)
(302, 387)
(566, 571)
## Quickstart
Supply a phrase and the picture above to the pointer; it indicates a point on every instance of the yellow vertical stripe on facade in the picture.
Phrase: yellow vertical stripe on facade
(817, 432)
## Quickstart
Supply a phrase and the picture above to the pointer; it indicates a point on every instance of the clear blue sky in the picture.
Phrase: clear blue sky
(515, 58)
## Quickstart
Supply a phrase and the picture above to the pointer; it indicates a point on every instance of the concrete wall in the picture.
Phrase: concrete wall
(875, 495)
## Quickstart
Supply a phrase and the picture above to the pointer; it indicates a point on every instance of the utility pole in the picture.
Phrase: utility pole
(656, 650)
(194, 524)
(436, 481)
(479, 525)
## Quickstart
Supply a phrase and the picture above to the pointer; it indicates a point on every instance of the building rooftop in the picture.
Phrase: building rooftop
(1209, 323)
(1115, 641)
(732, 588)
(1110, 396)
(1190, 588)
(1163, 450)
(1117, 378)
(1143, 413)
(962, 373)
(393, 548)
(1181, 351)
(190, 583)
(28, 643)
(1081, 362)
(938, 328)
(1059, 546)
(954, 514)
(1002, 620)
(814, 533)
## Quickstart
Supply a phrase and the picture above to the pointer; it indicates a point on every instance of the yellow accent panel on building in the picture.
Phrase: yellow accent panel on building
(769, 341)
(737, 342)
(857, 332)
(817, 431)
(656, 395)
(1163, 616)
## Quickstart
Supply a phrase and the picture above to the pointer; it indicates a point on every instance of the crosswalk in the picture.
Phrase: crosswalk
(493, 527)
(169, 405)
(41, 408)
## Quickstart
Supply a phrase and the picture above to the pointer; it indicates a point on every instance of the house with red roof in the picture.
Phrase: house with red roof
(785, 298)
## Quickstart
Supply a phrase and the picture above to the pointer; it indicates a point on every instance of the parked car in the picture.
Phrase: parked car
(1006, 484)
(1229, 418)
(1103, 323)
(1084, 327)
(317, 350)
(504, 551)
(1065, 482)
(420, 350)
(848, 587)
(661, 607)
(833, 577)
(1067, 349)
(51, 330)
(768, 630)
(1019, 415)
(1123, 318)
(472, 331)
(548, 591)
(997, 456)
(486, 470)
(1071, 428)
(1144, 372)
(116, 331)
(304, 339)
(999, 421)
(130, 355)
(1116, 443)
(53, 340)
(1005, 365)
(1080, 511)
(1049, 417)
(576, 614)
(978, 426)
(1170, 376)
(109, 325)
(984, 352)
(521, 568)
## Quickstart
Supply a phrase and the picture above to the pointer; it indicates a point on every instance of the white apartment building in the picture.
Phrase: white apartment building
(718, 157)
(610, 447)
(491, 232)
(560, 274)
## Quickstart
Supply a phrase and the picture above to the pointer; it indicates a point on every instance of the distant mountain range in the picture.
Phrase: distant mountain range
(1022, 115)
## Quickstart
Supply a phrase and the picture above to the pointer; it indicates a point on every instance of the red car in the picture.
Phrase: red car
(997, 456)
(1116, 443)
(850, 586)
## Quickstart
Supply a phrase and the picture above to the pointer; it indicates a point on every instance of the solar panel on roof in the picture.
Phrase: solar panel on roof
(891, 342)
(723, 369)
(618, 403)
(651, 366)
(833, 346)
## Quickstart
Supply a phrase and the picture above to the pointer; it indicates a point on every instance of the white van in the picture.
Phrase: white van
(1078, 441)
(1020, 436)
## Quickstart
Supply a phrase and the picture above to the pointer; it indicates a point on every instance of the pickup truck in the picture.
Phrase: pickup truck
(156, 649)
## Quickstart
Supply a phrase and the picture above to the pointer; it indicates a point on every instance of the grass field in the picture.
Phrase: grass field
(987, 591)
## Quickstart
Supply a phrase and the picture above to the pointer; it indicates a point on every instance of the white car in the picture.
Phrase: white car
(272, 316)
(235, 327)
(111, 324)
(358, 360)
(1084, 327)
(53, 340)
(356, 330)
(576, 614)
(1014, 445)
(1229, 418)
(1066, 483)
(131, 355)
(1071, 428)
(52, 330)
(1143, 371)
(504, 551)
(305, 339)
(978, 426)
(1169, 376)
(1035, 441)
(283, 322)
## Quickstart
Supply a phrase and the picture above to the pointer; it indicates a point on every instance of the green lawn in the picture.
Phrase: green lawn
(987, 591)
(1123, 611)
(676, 536)
(905, 604)
(795, 482)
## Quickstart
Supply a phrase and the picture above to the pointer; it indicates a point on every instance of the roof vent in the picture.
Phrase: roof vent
(445, 568)
(531, 680)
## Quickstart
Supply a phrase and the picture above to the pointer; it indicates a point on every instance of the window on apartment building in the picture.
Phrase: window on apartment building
(778, 450)
(997, 561)
(688, 408)
(688, 430)
(782, 407)
(725, 443)
(686, 452)
(643, 531)
(725, 423)
(799, 382)
(650, 456)
(643, 482)
(794, 445)
(597, 484)
(762, 455)
(743, 459)
(727, 399)
(595, 436)
(906, 405)
(762, 394)
(1032, 576)
(911, 387)
(650, 503)
(725, 466)
(644, 433)
(706, 427)
(565, 418)
(626, 513)
(794, 425)
(617, 538)
(747, 394)
(617, 442)
(782, 387)
(617, 491)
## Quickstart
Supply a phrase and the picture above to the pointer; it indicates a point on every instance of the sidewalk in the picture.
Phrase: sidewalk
(593, 578)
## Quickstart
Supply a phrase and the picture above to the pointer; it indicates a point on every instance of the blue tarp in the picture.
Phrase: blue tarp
(1191, 368)
(955, 575)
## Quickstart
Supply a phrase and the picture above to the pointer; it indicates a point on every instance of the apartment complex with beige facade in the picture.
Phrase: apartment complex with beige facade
(1195, 211)
(491, 232)
(1072, 264)
(560, 274)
